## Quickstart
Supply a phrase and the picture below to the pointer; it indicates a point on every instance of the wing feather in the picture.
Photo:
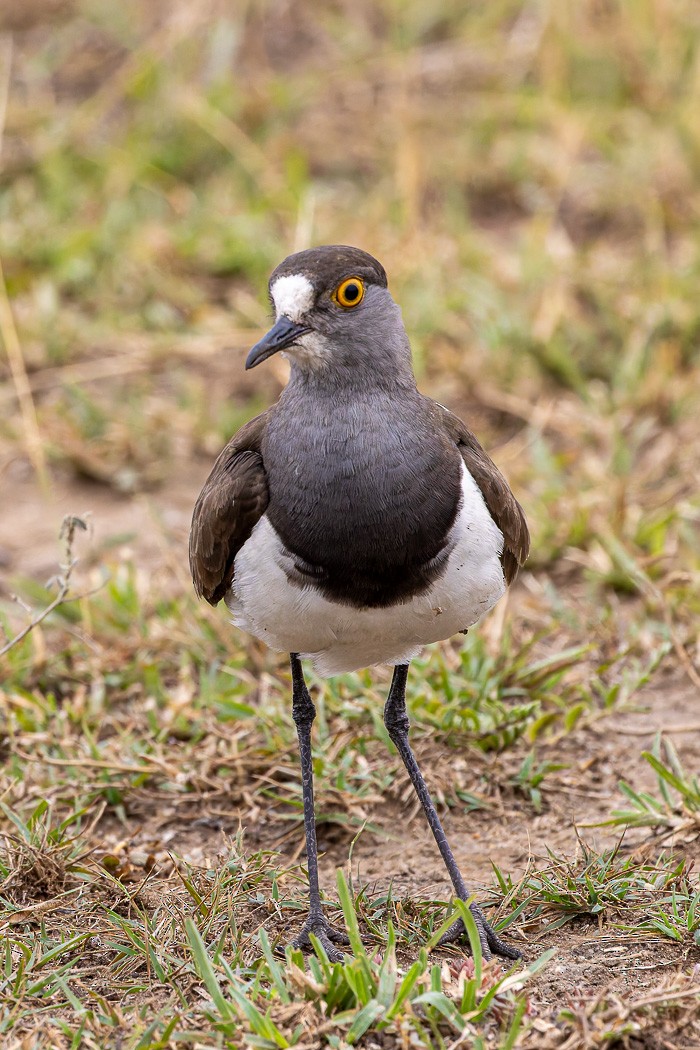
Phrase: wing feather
(234, 498)
(502, 504)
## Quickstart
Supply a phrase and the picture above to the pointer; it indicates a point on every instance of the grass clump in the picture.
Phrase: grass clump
(627, 892)
(364, 993)
(163, 938)
(675, 810)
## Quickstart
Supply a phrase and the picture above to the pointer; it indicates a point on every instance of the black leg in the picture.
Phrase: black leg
(303, 713)
(398, 725)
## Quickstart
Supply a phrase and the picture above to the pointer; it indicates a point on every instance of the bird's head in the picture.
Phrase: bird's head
(333, 311)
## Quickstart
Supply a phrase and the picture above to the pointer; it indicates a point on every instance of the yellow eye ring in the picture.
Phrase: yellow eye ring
(349, 292)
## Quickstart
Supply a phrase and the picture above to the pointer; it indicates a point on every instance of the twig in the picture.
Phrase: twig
(93, 763)
(689, 727)
(67, 533)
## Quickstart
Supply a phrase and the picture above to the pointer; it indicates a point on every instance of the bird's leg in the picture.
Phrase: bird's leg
(303, 713)
(397, 724)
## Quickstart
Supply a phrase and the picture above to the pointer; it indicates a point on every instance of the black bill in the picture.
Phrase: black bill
(283, 333)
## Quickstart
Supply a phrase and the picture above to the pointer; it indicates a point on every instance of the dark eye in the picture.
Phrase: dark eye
(349, 292)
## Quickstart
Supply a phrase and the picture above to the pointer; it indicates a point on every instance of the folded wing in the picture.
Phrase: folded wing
(502, 504)
(234, 498)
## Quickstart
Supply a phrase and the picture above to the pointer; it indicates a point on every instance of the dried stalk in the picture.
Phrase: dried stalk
(67, 533)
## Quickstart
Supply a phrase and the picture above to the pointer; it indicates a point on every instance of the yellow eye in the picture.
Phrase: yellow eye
(349, 292)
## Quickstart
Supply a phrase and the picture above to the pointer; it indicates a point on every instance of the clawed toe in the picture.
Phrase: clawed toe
(491, 943)
(328, 936)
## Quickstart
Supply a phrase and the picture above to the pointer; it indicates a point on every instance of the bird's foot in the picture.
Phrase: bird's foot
(327, 935)
(491, 943)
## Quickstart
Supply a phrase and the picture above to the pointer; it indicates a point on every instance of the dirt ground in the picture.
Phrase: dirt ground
(590, 961)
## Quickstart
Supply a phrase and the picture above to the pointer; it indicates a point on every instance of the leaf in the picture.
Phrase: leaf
(684, 790)
(444, 1006)
(366, 1017)
(274, 968)
(443, 928)
(205, 970)
(470, 926)
(350, 916)
(407, 985)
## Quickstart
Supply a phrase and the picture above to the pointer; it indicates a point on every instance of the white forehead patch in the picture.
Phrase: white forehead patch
(293, 296)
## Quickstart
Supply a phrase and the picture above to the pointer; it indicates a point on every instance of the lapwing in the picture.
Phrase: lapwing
(354, 521)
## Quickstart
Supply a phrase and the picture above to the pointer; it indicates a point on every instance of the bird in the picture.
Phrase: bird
(354, 521)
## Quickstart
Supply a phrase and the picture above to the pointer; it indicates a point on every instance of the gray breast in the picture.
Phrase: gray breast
(363, 493)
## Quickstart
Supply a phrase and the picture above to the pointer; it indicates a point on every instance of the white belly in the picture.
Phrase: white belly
(338, 638)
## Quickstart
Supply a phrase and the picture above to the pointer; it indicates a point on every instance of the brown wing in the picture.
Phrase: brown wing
(234, 498)
(502, 504)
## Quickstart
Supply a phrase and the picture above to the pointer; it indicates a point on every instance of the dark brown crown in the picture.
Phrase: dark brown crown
(329, 264)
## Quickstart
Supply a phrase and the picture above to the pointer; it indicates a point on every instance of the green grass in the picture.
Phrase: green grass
(204, 977)
(625, 891)
(675, 808)
(528, 174)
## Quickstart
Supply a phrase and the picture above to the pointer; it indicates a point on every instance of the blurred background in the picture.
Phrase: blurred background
(527, 172)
